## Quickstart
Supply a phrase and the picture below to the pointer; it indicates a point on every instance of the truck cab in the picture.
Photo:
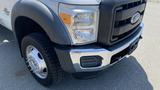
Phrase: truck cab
(75, 36)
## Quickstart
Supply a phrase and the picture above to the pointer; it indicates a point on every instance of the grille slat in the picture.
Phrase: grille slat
(131, 5)
(126, 28)
(125, 14)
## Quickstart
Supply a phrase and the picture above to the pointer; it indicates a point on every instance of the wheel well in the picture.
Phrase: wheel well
(25, 26)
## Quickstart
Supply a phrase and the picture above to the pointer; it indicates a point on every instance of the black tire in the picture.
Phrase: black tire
(43, 44)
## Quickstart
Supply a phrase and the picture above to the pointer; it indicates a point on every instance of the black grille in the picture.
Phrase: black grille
(115, 20)
(122, 26)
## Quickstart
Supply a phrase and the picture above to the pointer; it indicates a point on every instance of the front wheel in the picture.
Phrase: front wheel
(41, 59)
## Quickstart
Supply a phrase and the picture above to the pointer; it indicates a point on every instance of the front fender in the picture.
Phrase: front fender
(43, 16)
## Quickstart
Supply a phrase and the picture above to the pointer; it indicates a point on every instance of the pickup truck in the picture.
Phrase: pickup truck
(76, 36)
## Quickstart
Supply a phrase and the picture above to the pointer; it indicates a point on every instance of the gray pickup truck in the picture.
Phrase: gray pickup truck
(76, 36)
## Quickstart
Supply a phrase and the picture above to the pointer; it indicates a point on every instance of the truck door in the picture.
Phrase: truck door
(5, 12)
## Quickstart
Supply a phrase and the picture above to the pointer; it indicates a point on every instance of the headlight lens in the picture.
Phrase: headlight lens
(81, 22)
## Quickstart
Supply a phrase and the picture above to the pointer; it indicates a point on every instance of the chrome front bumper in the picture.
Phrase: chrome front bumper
(76, 54)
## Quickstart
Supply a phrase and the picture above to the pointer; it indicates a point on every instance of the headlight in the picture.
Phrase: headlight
(81, 22)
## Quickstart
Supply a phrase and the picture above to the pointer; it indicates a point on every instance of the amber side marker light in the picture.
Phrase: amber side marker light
(66, 18)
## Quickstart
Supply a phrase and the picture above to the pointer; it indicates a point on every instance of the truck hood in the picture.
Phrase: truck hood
(84, 2)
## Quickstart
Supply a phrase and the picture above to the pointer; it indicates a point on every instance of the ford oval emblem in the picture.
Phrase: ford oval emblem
(135, 17)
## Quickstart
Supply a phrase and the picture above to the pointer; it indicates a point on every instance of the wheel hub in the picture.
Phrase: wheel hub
(36, 62)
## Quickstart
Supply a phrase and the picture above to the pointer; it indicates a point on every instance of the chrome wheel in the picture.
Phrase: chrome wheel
(36, 62)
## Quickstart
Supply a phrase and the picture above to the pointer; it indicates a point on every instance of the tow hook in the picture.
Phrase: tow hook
(140, 37)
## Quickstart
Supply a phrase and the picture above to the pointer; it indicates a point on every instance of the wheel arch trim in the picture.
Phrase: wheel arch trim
(43, 16)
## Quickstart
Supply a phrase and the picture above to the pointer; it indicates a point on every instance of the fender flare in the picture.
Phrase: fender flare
(43, 16)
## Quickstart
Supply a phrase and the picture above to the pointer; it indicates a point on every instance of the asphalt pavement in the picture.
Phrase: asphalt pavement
(138, 72)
